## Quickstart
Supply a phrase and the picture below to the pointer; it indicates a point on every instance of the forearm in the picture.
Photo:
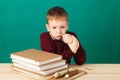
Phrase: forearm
(80, 56)
(67, 55)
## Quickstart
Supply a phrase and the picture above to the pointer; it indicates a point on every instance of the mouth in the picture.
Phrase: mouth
(59, 37)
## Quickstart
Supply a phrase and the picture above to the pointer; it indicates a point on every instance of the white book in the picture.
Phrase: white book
(43, 72)
(41, 67)
(35, 57)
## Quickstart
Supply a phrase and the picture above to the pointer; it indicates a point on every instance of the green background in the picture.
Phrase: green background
(96, 23)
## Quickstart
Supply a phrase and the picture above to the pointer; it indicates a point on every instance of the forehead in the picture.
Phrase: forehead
(57, 22)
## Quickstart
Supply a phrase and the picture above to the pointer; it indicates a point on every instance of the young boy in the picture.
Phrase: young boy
(58, 40)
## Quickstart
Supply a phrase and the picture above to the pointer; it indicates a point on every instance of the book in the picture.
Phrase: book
(43, 72)
(41, 67)
(28, 73)
(35, 57)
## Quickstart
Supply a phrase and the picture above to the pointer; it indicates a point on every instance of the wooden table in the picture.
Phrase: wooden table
(94, 72)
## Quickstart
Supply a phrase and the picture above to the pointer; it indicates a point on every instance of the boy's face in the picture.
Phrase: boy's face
(57, 28)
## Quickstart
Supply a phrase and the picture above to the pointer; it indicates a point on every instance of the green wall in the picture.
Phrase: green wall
(96, 23)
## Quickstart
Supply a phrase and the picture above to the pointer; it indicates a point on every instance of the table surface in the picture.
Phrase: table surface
(94, 72)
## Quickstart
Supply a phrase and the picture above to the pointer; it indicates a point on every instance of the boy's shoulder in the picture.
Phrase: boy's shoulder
(45, 34)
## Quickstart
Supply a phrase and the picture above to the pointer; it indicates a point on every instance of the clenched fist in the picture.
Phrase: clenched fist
(67, 38)
(72, 42)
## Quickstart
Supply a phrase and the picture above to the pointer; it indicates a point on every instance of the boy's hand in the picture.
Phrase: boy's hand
(72, 42)
(74, 45)
(67, 38)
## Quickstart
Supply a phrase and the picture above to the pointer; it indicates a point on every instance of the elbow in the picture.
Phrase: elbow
(81, 62)
(81, 59)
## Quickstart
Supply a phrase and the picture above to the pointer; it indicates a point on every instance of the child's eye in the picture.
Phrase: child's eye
(62, 26)
(54, 27)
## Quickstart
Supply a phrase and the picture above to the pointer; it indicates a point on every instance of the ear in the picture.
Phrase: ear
(67, 25)
(47, 27)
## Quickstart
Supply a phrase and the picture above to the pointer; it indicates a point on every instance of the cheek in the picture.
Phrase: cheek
(53, 32)
(64, 31)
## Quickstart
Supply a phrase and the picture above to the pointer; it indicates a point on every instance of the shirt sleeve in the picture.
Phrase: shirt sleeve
(67, 54)
(80, 56)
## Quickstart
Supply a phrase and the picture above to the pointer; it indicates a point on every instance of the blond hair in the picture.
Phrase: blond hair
(57, 13)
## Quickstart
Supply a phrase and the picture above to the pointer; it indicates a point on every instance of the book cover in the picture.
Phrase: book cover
(41, 67)
(36, 57)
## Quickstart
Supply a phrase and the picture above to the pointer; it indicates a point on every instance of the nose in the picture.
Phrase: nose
(59, 31)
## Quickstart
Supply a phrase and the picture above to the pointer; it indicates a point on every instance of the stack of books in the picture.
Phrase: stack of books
(37, 63)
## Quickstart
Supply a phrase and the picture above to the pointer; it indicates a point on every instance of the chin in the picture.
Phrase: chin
(58, 38)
